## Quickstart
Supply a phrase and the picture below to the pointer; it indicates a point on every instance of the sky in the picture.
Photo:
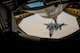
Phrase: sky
(34, 25)
(35, 4)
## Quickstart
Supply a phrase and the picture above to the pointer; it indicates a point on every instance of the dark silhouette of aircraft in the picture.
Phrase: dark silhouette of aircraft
(51, 26)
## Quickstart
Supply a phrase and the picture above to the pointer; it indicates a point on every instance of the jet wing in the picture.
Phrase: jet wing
(60, 25)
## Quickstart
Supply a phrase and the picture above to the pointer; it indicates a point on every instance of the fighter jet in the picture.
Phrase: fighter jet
(51, 27)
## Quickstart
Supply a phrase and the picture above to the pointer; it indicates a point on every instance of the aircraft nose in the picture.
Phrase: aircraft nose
(50, 35)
